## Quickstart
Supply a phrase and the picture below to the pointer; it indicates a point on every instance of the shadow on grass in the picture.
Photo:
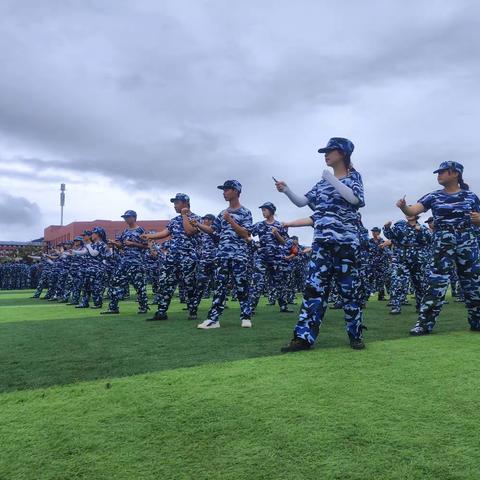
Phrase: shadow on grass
(67, 348)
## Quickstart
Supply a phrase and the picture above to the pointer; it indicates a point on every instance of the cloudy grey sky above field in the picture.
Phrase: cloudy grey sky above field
(129, 102)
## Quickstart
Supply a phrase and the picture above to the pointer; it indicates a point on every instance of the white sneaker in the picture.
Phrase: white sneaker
(208, 324)
(246, 323)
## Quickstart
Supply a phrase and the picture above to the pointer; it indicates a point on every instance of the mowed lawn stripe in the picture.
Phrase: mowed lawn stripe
(403, 409)
(63, 345)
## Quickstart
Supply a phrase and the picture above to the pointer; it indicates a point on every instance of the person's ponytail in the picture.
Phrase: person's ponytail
(462, 184)
(348, 163)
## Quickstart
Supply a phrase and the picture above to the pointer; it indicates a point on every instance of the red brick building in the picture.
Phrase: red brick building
(55, 234)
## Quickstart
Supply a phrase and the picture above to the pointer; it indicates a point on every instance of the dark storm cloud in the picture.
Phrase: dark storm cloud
(180, 95)
(18, 211)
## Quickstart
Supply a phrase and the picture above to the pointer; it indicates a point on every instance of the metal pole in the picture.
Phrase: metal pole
(62, 202)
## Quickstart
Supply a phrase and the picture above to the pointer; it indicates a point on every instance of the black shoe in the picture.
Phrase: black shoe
(419, 331)
(406, 303)
(34, 297)
(192, 316)
(157, 317)
(110, 312)
(356, 343)
(286, 310)
(395, 311)
(295, 345)
(96, 307)
(81, 306)
(141, 311)
(474, 329)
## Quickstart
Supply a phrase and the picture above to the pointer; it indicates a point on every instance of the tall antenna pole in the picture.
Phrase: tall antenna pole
(62, 202)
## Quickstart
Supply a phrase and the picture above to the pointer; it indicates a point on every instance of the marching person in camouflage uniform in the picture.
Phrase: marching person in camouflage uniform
(206, 264)
(232, 227)
(131, 268)
(335, 250)
(410, 249)
(456, 212)
(182, 258)
(379, 263)
(269, 258)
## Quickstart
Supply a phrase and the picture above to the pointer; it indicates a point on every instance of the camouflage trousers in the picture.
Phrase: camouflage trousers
(172, 271)
(327, 262)
(237, 270)
(128, 272)
(274, 269)
(205, 275)
(42, 283)
(408, 265)
(93, 286)
(452, 249)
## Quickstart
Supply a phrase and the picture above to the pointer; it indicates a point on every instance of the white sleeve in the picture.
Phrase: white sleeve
(92, 251)
(80, 251)
(298, 200)
(341, 188)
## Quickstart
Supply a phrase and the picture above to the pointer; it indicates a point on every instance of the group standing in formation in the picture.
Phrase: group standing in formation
(228, 255)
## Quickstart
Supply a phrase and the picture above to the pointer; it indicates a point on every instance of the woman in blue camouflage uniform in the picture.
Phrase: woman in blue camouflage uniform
(455, 211)
(335, 250)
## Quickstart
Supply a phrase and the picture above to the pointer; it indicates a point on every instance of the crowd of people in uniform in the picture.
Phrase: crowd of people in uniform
(19, 275)
(228, 255)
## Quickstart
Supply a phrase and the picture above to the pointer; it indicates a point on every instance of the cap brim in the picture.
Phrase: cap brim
(172, 200)
(221, 187)
(324, 150)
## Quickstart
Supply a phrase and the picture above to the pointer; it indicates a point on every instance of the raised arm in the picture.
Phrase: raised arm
(301, 222)
(155, 236)
(410, 210)
(298, 200)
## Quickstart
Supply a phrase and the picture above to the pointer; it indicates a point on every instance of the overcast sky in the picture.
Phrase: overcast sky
(129, 102)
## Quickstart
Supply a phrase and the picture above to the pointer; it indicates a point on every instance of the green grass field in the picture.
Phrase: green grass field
(90, 397)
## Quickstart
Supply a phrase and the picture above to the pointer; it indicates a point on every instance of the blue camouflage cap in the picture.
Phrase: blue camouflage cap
(338, 143)
(78, 239)
(270, 206)
(100, 231)
(129, 213)
(375, 229)
(69, 242)
(451, 165)
(180, 197)
(235, 184)
(87, 233)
